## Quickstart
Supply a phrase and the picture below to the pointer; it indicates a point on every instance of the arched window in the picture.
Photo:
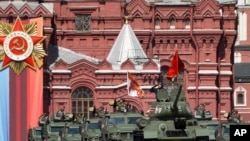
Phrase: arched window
(187, 23)
(82, 100)
(172, 22)
(25, 17)
(157, 23)
(11, 19)
(240, 99)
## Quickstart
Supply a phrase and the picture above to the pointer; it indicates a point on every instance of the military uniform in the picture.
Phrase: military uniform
(234, 117)
(121, 106)
(201, 109)
(45, 134)
(161, 93)
(62, 133)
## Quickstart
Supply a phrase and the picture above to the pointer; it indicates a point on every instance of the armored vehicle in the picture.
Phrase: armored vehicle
(55, 131)
(233, 117)
(170, 119)
(47, 131)
(119, 126)
(35, 134)
(91, 130)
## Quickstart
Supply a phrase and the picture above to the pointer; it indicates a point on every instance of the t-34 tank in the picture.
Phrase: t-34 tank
(170, 119)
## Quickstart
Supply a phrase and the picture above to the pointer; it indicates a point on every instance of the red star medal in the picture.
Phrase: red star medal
(18, 47)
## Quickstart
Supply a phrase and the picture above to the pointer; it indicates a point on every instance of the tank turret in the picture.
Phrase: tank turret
(168, 107)
(170, 118)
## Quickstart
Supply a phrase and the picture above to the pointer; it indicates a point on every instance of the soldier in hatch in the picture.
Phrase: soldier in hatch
(201, 109)
(234, 117)
(129, 107)
(121, 106)
(160, 92)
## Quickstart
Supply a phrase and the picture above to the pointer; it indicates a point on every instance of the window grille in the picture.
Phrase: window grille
(82, 22)
(240, 99)
(82, 100)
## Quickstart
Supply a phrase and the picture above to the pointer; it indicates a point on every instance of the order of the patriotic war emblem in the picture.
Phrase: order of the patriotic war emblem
(20, 47)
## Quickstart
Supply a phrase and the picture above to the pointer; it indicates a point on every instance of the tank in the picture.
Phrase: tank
(170, 118)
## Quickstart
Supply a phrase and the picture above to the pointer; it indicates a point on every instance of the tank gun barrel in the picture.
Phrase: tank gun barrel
(177, 98)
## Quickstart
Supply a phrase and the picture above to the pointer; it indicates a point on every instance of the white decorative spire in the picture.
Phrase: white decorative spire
(126, 47)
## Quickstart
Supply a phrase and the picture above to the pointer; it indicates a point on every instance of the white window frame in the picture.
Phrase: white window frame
(242, 91)
(237, 57)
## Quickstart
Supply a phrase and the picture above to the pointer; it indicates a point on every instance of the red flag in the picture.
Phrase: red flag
(176, 66)
(133, 87)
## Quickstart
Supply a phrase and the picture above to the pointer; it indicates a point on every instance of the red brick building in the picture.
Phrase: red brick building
(242, 63)
(91, 48)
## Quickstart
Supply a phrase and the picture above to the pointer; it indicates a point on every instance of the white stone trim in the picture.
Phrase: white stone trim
(208, 87)
(61, 71)
(237, 57)
(125, 71)
(244, 112)
(225, 88)
(61, 87)
(244, 92)
(121, 85)
(208, 72)
(242, 108)
(242, 26)
(226, 72)
(191, 88)
(207, 63)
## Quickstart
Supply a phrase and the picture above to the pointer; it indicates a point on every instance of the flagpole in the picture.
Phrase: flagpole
(127, 83)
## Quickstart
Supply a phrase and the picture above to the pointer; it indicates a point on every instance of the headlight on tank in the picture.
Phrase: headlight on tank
(162, 127)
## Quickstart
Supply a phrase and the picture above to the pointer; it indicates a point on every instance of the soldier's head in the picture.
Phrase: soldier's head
(96, 115)
(122, 100)
(202, 106)
(234, 112)
(160, 85)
